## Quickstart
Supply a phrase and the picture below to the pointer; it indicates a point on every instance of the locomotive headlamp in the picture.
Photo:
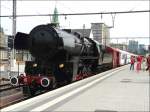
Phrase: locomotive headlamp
(61, 65)
(14, 81)
(35, 65)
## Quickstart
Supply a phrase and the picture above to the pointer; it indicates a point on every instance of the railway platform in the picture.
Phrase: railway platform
(115, 90)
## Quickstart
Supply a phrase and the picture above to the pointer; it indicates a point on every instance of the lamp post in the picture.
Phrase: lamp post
(13, 30)
(14, 25)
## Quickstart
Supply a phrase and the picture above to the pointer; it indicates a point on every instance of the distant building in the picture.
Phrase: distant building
(22, 55)
(142, 49)
(82, 32)
(100, 32)
(3, 40)
(119, 46)
(133, 46)
(3, 47)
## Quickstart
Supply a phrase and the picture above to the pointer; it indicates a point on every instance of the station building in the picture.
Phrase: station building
(3, 47)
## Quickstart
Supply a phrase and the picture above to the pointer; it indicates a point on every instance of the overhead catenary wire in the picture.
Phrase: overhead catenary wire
(76, 14)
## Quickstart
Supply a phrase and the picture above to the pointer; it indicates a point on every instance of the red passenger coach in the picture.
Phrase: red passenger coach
(115, 56)
(119, 57)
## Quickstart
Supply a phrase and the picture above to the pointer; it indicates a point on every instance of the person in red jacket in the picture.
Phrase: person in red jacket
(132, 61)
(139, 62)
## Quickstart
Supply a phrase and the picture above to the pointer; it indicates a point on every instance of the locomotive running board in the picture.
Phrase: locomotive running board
(88, 57)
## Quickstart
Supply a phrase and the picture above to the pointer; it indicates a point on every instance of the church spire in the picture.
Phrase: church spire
(55, 20)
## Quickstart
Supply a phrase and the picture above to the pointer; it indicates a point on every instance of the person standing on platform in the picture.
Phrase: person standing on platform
(139, 61)
(144, 64)
(148, 63)
(132, 61)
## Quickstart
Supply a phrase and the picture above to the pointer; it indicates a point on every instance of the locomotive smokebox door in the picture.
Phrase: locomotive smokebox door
(44, 42)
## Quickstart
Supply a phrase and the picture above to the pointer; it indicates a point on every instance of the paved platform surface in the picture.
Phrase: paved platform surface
(125, 91)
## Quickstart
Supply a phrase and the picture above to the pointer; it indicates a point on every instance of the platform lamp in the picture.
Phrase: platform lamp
(14, 28)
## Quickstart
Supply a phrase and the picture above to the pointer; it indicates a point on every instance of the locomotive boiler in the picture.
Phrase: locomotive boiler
(59, 57)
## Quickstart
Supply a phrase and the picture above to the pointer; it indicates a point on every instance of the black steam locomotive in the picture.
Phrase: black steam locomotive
(59, 57)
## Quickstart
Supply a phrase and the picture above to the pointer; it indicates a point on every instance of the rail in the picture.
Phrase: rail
(3, 85)
(9, 88)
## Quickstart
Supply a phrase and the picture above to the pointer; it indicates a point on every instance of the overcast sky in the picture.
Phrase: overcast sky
(126, 25)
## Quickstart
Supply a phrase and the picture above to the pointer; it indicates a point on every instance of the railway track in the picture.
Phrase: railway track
(12, 99)
(10, 94)
(6, 87)
(15, 98)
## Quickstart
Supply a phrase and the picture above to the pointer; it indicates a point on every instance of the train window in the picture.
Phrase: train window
(124, 56)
